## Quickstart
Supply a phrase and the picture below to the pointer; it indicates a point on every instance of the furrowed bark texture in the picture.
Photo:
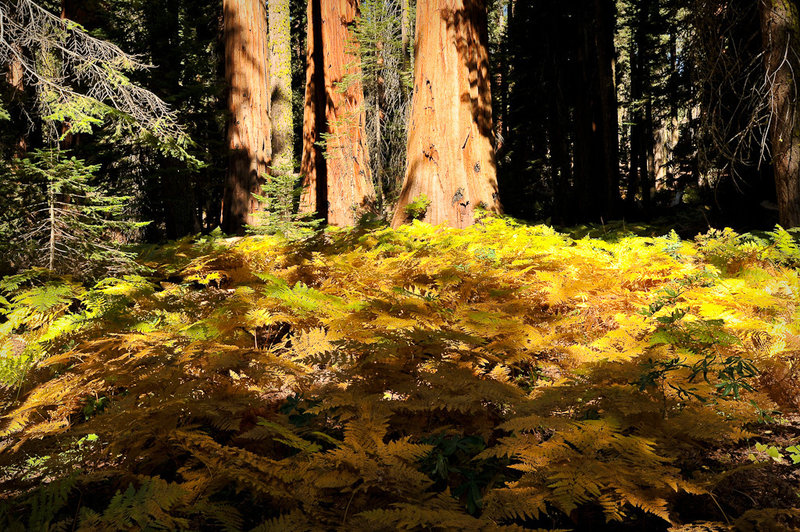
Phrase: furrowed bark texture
(780, 31)
(451, 157)
(281, 79)
(338, 180)
(247, 76)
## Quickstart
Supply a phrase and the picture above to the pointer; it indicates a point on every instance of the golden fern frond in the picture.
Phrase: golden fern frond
(515, 503)
(294, 521)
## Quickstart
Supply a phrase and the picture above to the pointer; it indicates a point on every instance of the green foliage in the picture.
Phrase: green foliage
(732, 252)
(59, 58)
(772, 452)
(56, 218)
(497, 377)
(41, 317)
(280, 197)
(454, 460)
(386, 78)
(698, 337)
(416, 209)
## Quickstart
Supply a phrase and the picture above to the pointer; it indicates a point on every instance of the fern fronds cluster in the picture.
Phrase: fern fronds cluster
(498, 377)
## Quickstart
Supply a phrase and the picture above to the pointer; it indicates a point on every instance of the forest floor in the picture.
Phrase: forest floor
(499, 377)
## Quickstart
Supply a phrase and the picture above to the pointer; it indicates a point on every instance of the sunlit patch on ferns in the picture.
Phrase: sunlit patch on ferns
(499, 376)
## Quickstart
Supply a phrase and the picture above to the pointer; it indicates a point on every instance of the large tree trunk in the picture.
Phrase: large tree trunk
(281, 91)
(780, 30)
(337, 178)
(451, 157)
(247, 76)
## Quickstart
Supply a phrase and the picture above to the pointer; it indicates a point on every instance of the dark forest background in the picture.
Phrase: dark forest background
(604, 110)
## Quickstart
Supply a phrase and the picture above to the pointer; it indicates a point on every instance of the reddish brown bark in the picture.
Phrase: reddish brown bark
(84, 12)
(780, 30)
(247, 76)
(451, 157)
(338, 180)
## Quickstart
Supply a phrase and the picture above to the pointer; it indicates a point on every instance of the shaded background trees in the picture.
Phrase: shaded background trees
(601, 110)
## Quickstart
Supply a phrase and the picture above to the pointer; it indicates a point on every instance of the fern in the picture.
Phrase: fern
(498, 376)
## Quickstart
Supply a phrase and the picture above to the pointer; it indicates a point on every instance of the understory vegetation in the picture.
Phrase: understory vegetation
(503, 376)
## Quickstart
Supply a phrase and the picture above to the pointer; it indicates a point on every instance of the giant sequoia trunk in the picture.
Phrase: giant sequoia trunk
(780, 29)
(247, 76)
(606, 132)
(281, 90)
(337, 175)
(451, 157)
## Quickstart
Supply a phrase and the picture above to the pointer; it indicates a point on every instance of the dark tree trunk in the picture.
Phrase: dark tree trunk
(15, 79)
(596, 123)
(176, 186)
(640, 180)
(780, 30)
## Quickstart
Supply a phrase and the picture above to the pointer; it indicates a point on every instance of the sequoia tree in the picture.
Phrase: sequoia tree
(451, 158)
(247, 77)
(780, 30)
(335, 163)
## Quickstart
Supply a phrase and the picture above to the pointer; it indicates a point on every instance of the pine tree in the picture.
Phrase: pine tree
(56, 218)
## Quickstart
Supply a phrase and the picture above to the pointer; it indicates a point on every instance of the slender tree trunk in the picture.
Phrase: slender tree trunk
(379, 112)
(15, 79)
(451, 156)
(504, 75)
(405, 36)
(312, 166)
(780, 30)
(641, 136)
(560, 163)
(247, 76)
(281, 78)
(608, 123)
(51, 244)
(334, 115)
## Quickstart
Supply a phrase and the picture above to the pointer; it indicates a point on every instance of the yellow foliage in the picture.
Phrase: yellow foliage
(498, 377)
